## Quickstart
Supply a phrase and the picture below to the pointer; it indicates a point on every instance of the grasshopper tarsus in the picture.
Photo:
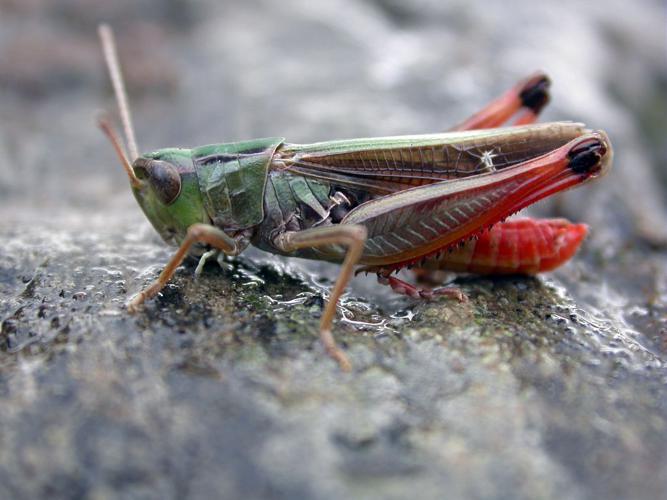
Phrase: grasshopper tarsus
(335, 352)
(451, 291)
(136, 303)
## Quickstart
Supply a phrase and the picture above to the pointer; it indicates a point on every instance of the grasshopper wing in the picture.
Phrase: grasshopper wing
(387, 165)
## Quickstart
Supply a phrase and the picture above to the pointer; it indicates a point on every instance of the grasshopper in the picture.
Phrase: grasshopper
(428, 202)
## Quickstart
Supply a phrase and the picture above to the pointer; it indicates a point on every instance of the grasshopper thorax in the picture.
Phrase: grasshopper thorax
(168, 192)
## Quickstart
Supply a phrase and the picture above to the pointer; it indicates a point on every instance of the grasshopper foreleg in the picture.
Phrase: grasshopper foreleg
(197, 233)
(352, 236)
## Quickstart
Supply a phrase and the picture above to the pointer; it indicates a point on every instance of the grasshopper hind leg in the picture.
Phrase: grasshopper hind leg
(524, 101)
(404, 288)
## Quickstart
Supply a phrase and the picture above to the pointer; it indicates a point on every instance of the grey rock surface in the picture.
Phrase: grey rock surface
(553, 387)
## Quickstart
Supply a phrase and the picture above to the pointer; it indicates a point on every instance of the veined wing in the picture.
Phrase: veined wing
(390, 164)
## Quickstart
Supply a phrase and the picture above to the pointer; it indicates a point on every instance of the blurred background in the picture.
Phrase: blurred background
(581, 414)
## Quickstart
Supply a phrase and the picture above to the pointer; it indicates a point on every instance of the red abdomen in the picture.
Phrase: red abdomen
(517, 246)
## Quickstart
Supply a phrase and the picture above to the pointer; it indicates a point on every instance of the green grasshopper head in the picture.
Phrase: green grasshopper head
(165, 185)
(168, 192)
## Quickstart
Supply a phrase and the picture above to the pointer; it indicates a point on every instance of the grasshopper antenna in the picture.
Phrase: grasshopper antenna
(105, 125)
(111, 58)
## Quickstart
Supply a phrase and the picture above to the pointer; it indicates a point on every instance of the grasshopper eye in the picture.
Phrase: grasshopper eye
(163, 178)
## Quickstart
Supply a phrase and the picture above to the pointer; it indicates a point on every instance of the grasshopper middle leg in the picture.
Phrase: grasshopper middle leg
(352, 236)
